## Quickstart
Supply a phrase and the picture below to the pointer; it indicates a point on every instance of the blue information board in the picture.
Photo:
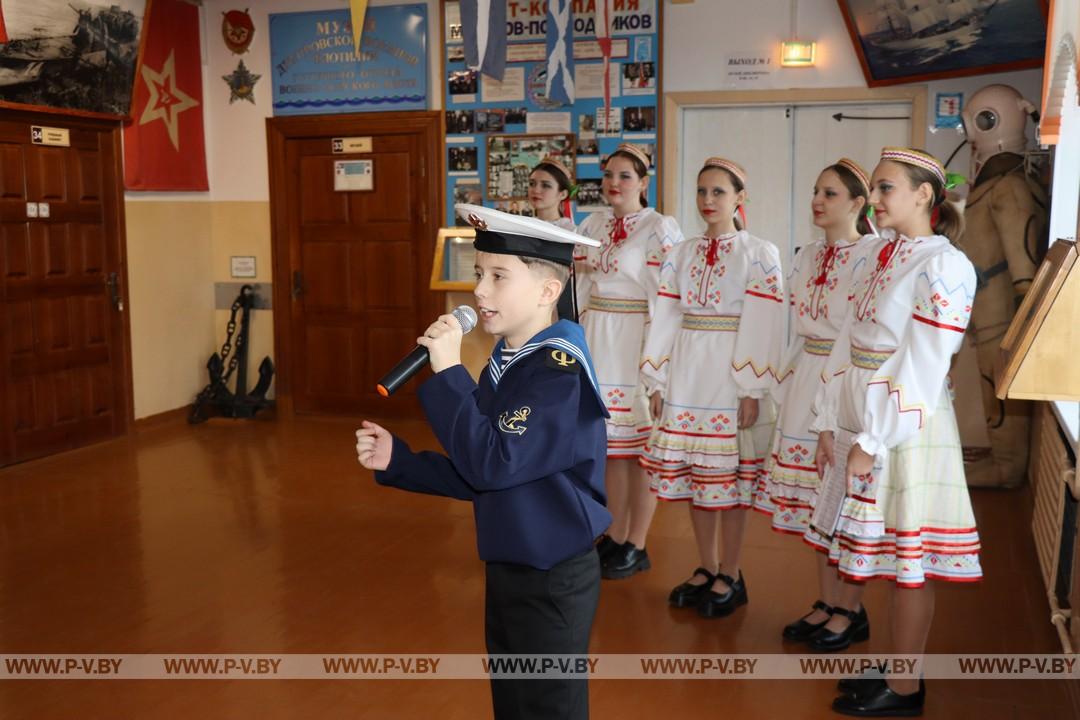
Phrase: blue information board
(315, 68)
(497, 131)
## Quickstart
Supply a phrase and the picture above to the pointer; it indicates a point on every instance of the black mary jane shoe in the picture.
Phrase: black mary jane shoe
(882, 701)
(624, 561)
(858, 630)
(688, 594)
(800, 630)
(713, 604)
(605, 547)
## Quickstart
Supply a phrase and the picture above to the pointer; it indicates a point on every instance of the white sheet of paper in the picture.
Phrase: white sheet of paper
(511, 89)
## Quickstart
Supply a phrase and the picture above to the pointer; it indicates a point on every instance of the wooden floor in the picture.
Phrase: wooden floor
(267, 537)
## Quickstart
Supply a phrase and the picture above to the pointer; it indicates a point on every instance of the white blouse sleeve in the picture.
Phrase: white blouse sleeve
(827, 399)
(791, 354)
(666, 235)
(905, 390)
(582, 272)
(666, 319)
(760, 338)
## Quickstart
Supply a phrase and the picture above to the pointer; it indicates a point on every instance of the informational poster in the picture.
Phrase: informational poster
(479, 108)
(316, 69)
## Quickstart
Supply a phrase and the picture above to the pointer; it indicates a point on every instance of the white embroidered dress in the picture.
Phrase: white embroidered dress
(820, 287)
(565, 223)
(617, 285)
(910, 518)
(717, 336)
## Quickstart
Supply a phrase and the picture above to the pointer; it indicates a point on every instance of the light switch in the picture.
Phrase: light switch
(31, 210)
(43, 210)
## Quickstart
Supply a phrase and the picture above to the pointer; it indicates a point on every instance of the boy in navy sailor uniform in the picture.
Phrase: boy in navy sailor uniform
(527, 446)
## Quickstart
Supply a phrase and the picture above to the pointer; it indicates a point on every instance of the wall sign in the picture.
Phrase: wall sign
(489, 124)
(242, 266)
(352, 175)
(41, 135)
(315, 68)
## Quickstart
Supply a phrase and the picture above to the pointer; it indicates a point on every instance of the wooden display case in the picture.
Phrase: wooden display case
(1037, 359)
(455, 257)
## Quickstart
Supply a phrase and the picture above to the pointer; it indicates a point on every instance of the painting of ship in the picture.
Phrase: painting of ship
(904, 25)
(927, 39)
(70, 54)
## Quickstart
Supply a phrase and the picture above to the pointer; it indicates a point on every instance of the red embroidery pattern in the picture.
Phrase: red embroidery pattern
(704, 269)
(892, 255)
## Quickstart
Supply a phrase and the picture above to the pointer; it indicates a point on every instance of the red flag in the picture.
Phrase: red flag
(3, 30)
(164, 146)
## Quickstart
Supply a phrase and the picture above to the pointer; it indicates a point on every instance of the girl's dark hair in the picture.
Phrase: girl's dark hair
(950, 222)
(735, 183)
(639, 168)
(556, 172)
(561, 179)
(857, 190)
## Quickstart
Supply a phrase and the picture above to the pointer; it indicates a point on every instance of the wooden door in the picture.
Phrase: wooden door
(64, 340)
(352, 268)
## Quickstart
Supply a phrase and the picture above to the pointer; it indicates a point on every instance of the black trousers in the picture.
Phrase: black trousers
(548, 612)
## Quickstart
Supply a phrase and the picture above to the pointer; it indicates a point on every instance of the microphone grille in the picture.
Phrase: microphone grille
(466, 317)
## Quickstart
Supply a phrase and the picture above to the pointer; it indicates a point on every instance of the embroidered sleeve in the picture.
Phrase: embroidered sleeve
(662, 238)
(666, 318)
(583, 278)
(906, 389)
(760, 338)
(791, 354)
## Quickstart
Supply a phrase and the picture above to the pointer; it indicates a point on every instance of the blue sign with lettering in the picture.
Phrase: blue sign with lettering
(316, 69)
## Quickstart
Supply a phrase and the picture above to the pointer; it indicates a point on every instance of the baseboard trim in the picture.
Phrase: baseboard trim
(169, 417)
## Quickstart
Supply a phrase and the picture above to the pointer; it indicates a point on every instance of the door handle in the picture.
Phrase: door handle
(297, 284)
(112, 281)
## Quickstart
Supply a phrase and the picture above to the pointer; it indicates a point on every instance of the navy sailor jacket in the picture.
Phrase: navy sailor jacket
(527, 446)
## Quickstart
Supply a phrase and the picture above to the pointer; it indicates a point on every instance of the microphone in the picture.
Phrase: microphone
(418, 358)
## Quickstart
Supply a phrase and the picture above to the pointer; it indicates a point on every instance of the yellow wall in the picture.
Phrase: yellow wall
(171, 302)
(176, 252)
(243, 228)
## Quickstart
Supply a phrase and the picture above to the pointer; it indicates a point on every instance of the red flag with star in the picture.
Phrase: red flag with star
(164, 146)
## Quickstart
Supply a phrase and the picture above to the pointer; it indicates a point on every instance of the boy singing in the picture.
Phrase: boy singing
(527, 446)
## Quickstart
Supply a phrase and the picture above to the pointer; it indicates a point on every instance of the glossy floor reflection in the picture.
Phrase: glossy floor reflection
(267, 537)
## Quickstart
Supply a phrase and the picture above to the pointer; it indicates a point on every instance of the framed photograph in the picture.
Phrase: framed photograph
(903, 41)
(510, 159)
(73, 58)
(455, 260)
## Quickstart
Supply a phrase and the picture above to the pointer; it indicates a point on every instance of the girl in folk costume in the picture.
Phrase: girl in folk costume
(712, 353)
(887, 423)
(617, 285)
(550, 189)
(820, 285)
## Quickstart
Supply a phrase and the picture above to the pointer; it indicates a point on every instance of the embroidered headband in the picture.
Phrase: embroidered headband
(916, 158)
(554, 162)
(725, 164)
(857, 171)
(636, 152)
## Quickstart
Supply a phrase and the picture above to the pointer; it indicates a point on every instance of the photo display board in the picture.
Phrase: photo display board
(497, 131)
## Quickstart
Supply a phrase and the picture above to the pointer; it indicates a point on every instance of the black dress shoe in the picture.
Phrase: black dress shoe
(867, 682)
(882, 702)
(688, 594)
(624, 561)
(800, 629)
(605, 547)
(713, 604)
(858, 630)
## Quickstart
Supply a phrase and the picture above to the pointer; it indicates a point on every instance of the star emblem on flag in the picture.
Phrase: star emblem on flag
(166, 101)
